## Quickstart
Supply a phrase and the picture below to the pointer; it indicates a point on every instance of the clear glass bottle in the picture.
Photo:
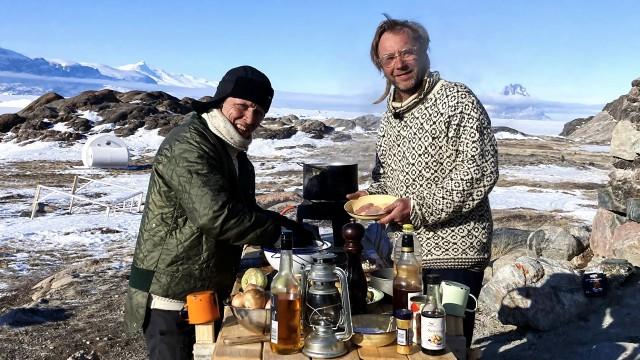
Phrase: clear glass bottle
(286, 301)
(432, 317)
(408, 279)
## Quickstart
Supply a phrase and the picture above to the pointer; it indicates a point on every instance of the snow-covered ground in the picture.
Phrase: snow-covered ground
(80, 231)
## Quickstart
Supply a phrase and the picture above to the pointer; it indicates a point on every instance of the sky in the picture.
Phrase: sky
(568, 51)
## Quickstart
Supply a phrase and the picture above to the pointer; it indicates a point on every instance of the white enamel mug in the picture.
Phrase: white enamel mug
(455, 297)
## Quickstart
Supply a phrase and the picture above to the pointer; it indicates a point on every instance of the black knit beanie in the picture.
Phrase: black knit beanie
(244, 82)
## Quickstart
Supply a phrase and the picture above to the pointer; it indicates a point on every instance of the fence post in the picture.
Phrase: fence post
(73, 191)
(34, 208)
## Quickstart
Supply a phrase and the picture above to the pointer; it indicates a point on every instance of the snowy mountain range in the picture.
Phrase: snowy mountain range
(22, 75)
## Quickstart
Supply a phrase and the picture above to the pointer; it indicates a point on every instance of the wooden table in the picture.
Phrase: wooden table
(259, 351)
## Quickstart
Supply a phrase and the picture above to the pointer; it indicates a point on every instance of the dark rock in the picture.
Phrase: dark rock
(8, 121)
(368, 122)
(497, 129)
(614, 108)
(316, 128)
(148, 98)
(80, 124)
(121, 113)
(174, 106)
(573, 125)
(39, 102)
(341, 123)
(274, 134)
(289, 119)
(629, 109)
(636, 82)
(626, 164)
(91, 98)
(610, 200)
(554, 242)
(341, 137)
(130, 129)
(40, 113)
(505, 240)
(633, 209)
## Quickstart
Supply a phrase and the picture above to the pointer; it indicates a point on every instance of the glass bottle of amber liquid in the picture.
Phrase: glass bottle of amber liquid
(408, 280)
(286, 299)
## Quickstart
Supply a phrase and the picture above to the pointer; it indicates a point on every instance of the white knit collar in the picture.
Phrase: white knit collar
(221, 126)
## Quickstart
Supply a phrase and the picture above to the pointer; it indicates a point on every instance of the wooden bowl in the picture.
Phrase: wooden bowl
(373, 330)
(378, 200)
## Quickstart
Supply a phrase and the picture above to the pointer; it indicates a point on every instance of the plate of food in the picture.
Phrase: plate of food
(369, 207)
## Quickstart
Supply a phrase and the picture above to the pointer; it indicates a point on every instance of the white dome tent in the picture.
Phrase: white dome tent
(105, 151)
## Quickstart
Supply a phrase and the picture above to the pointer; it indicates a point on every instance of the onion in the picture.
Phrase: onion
(238, 300)
(254, 299)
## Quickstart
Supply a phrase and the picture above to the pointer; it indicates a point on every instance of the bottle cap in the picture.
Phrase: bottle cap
(403, 314)
(407, 228)
(286, 240)
(433, 279)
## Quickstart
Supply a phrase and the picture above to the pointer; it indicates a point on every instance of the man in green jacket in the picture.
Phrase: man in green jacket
(199, 212)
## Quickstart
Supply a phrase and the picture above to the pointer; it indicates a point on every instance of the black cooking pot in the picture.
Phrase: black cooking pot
(329, 182)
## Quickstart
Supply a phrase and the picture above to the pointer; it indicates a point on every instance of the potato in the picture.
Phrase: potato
(238, 300)
(253, 286)
(254, 299)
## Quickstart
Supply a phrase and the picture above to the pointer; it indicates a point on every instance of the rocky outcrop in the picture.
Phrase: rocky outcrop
(537, 293)
(599, 129)
(557, 243)
(573, 125)
(128, 112)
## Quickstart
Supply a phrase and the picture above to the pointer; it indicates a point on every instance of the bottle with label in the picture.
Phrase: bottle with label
(286, 301)
(408, 280)
(432, 317)
(404, 332)
(352, 233)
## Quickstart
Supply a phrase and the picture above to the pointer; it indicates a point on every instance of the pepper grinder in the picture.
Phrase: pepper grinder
(352, 233)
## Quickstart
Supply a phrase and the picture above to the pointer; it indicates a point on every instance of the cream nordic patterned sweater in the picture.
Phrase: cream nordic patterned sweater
(438, 150)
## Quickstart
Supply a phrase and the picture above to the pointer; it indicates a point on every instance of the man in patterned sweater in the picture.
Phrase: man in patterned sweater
(436, 153)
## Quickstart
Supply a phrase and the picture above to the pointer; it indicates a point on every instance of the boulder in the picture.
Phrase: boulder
(368, 122)
(604, 224)
(274, 134)
(633, 209)
(289, 119)
(130, 129)
(538, 293)
(616, 270)
(8, 121)
(340, 124)
(625, 141)
(89, 98)
(505, 240)
(625, 242)
(554, 242)
(624, 184)
(341, 137)
(39, 102)
(316, 128)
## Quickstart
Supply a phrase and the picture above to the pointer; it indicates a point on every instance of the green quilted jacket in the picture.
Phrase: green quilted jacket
(198, 214)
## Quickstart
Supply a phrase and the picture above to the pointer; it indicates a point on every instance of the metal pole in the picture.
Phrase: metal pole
(73, 191)
(34, 208)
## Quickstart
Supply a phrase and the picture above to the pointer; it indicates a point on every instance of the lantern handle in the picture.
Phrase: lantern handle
(346, 307)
